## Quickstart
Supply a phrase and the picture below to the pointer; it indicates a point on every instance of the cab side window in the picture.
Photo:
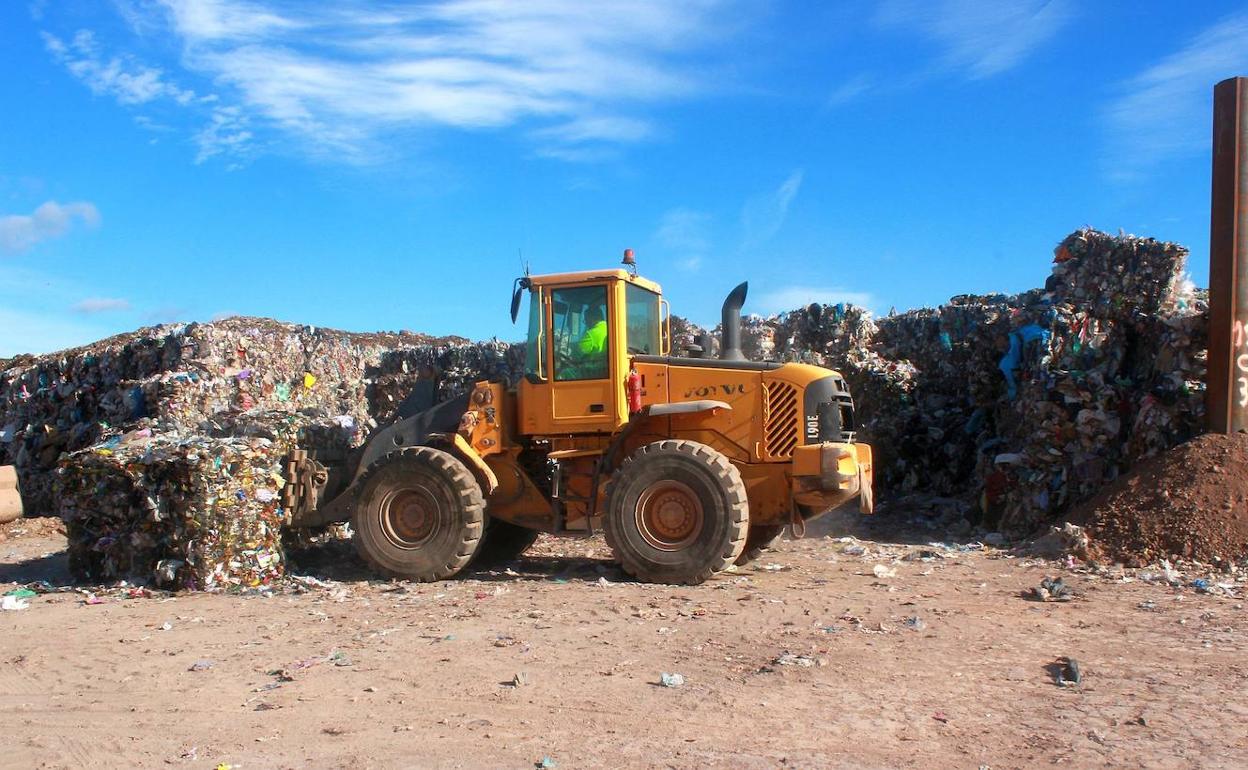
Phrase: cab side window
(580, 334)
(642, 320)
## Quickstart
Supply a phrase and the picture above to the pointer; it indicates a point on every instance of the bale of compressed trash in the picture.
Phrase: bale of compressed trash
(194, 512)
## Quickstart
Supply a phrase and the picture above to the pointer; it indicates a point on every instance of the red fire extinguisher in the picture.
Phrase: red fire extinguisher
(632, 386)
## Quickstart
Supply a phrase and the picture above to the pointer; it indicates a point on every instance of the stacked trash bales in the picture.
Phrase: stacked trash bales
(149, 443)
(1019, 405)
(1106, 365)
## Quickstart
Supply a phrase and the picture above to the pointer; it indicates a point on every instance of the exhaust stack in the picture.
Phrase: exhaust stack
(730, 324)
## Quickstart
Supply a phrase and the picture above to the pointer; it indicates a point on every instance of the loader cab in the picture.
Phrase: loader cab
(582, 328)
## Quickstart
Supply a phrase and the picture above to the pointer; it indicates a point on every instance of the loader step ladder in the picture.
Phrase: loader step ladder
(559, 494)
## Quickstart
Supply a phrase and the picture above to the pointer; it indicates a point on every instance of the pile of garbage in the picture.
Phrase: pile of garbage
(135, 440)
(1024, 404)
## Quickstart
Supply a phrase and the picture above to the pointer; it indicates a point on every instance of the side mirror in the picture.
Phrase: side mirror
(521, 285)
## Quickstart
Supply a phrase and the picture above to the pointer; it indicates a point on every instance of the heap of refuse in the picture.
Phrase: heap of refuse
(1022, 405)
(162, 449)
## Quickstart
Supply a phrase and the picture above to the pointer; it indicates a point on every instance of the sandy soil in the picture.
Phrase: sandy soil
(944, 664)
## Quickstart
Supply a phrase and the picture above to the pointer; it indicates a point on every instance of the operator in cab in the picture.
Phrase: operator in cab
(593, 345)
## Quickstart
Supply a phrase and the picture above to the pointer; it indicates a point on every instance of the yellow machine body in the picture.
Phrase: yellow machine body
(788, 428)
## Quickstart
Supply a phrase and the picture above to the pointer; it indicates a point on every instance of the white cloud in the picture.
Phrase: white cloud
(849, 90)
(575, 73)
(588, 129)
(227, 132)
(978, 38)
(126, 80)
(20, 232)
(92, 305)
(794, 297)
(1165, 110)
(764, 215)
(683, 236)
(137, 85)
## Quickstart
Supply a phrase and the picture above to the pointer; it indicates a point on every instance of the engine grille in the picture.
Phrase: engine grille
(780, 433)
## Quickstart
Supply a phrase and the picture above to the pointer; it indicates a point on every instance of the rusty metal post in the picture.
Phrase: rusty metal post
(1226, 399)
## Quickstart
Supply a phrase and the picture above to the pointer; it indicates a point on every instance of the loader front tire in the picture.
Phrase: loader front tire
(676, 513)
(760, 538)
(419, 515)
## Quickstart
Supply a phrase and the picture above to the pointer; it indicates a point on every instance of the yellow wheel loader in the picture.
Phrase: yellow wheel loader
(687, 464)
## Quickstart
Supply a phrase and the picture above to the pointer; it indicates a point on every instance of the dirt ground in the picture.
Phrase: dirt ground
(917, 656)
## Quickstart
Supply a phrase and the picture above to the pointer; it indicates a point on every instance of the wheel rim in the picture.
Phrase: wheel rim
(669, 516)
(409, 517)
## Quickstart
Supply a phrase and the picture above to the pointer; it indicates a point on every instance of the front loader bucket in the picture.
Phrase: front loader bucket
(10, 500)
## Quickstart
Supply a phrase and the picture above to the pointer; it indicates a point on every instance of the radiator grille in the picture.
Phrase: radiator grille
(781, 431)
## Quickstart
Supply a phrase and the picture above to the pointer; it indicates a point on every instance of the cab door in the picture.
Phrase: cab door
(577, 388)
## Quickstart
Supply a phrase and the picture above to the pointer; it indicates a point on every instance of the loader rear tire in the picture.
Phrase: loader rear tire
(419, 515)
(676, 513)
(760, 538)
(502, 542)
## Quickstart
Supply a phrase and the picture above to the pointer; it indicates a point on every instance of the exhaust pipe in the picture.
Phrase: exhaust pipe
(730, 324)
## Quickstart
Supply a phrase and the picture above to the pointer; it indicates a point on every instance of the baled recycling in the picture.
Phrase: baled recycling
(164, 449)
(192, 512)
(1029, 403)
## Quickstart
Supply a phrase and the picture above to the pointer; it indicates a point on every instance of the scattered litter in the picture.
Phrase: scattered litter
(671, 680)
(1051, 590)
(1067, 672)
(201, 665)
(790, 659)
(13, 603)
(340, 659)
(883, 573)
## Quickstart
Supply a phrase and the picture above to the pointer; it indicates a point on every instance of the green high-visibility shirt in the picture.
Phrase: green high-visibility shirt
(594, 340)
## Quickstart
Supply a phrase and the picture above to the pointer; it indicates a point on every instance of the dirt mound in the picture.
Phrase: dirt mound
(1191, 501)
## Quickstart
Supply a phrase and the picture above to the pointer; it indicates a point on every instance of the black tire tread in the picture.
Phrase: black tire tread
(502, 541)
(760, 538)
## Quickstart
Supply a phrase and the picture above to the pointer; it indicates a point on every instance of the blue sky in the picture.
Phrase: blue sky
(388, 165)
